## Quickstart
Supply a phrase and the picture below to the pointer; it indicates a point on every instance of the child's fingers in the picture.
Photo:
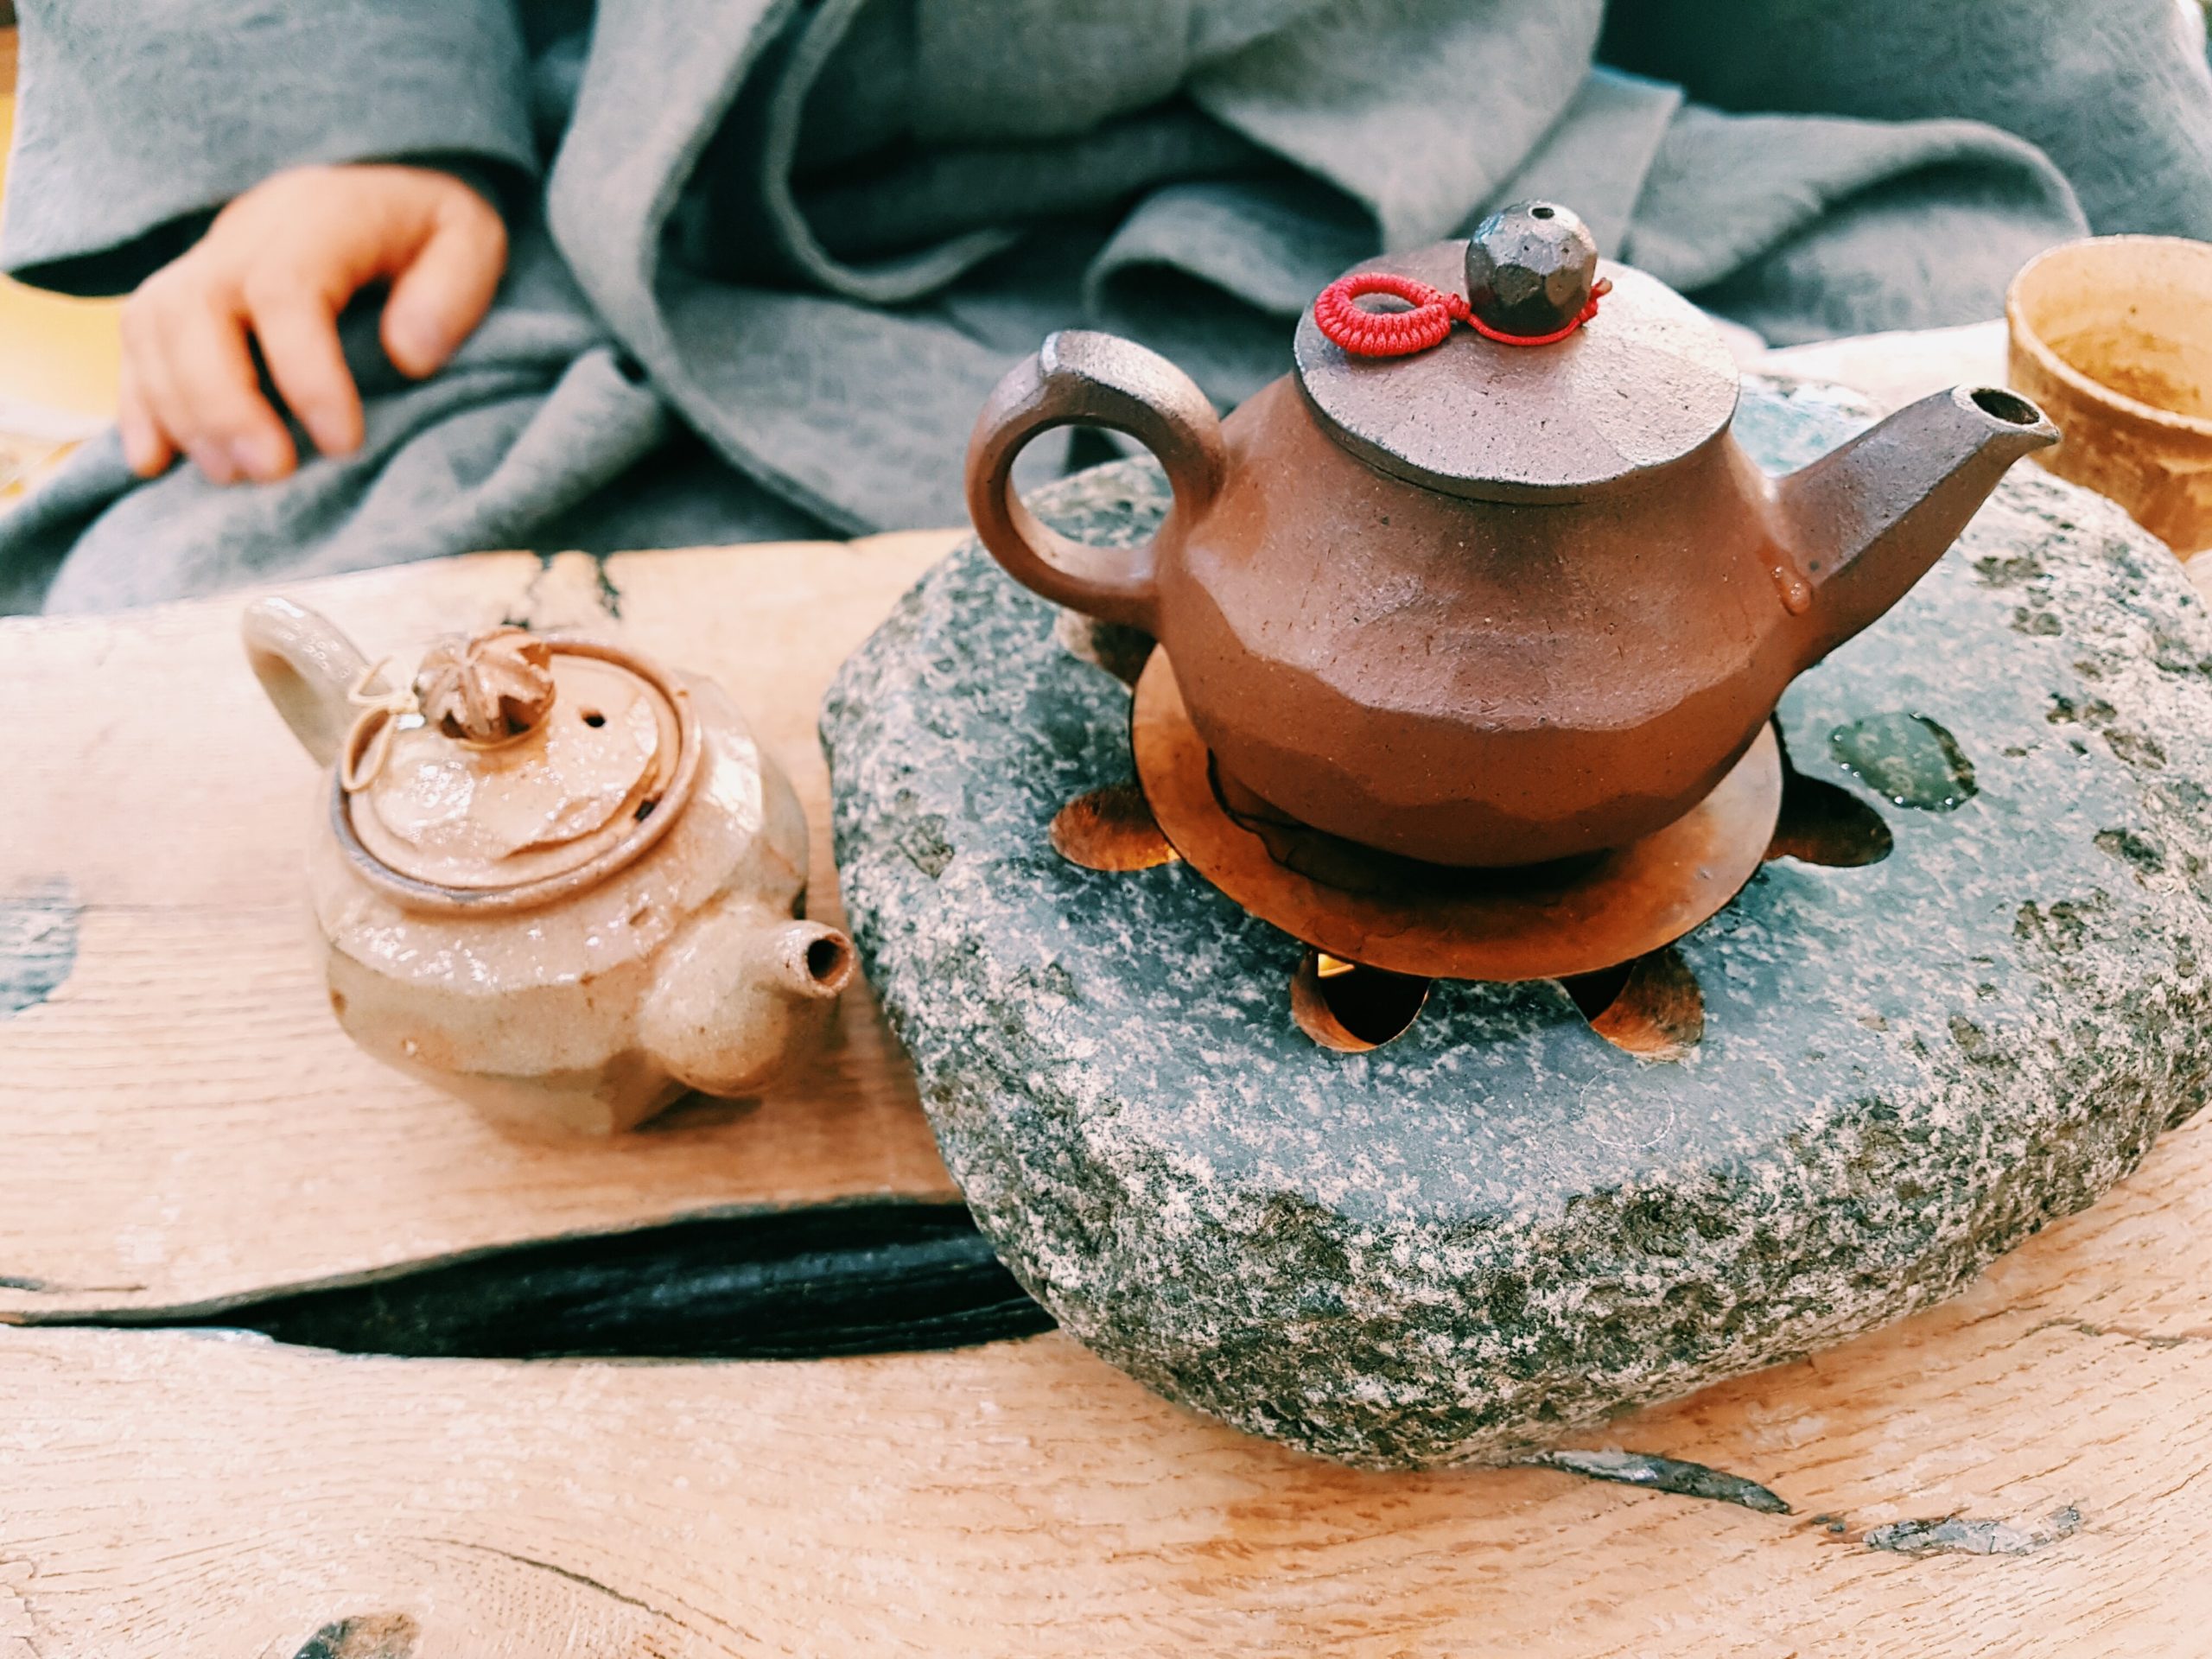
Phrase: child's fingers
(145, 446)
(145, 348)
(443, 292)
(213, 373)
(281, 260)
(298, 332)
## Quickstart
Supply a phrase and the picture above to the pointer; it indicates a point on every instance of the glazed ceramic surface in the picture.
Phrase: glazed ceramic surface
(552, 878)
(1492, 604)
(2113, 336)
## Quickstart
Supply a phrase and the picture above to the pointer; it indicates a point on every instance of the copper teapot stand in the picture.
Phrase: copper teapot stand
(1553, 921)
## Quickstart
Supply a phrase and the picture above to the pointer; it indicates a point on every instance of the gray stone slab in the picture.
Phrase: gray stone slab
(1499, 1226)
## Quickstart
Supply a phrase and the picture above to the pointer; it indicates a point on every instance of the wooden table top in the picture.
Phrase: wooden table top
(184, 1129)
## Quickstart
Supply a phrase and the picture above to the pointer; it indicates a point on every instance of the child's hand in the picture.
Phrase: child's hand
(279, 264)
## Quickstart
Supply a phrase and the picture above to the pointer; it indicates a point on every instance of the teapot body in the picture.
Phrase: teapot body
(1470, 681)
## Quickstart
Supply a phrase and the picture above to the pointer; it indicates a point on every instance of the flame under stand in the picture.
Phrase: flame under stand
(1501, 1224)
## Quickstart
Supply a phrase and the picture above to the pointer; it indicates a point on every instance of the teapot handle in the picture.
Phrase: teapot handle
(309, 669)
(1094, 379)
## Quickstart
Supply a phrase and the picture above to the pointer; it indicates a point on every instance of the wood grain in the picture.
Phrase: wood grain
(169, 1494)
(184, 1121)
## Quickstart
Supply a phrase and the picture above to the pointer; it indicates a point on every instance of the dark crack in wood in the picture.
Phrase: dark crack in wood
(1659, 1474)
(38, 943)
(878, 1277)
(1958, 1535)
(2145, 1338)
(559, 1572)
(380, 1635)
(48, 1288)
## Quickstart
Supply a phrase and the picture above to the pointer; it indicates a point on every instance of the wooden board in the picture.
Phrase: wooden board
(169, 1494)
(182, 1125)
(183, 1121)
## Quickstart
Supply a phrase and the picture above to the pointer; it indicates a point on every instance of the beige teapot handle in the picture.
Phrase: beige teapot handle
(309, 670)
(1091, 379)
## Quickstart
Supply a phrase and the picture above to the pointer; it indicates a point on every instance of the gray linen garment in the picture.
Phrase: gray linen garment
(768, 256)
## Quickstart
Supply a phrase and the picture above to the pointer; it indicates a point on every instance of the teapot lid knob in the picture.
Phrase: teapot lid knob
(489, 688)
(1530, 268)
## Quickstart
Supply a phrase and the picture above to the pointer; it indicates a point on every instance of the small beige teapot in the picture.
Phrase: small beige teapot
(552, 878)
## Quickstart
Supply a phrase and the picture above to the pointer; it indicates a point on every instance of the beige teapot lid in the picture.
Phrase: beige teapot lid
(518, 767)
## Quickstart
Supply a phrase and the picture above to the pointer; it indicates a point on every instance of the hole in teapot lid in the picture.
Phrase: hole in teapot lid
(1540, 211)
(593, 718)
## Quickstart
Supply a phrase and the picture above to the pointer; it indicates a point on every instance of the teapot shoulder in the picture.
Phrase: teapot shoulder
(1307, 538)
(742, 831)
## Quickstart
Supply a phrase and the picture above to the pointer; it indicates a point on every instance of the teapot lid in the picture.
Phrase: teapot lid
(1639, 381)
(518, 767)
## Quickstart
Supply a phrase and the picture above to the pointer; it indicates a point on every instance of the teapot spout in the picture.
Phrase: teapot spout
(1867, 521)
(740, 995)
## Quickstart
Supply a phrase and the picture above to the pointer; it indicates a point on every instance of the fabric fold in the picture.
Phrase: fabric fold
(1416, 109)
(2115, 92)
(1795, 225)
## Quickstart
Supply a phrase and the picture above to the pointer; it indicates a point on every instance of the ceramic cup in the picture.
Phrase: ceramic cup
(2113, 337)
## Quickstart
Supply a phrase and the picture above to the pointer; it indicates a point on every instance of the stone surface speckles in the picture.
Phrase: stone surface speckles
(1499, 1226)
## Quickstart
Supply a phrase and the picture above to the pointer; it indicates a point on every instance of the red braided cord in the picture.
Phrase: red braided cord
(1386, 333)
(1400, 334)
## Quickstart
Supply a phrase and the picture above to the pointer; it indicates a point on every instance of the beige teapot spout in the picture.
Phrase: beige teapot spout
(309, 670)
(738, 993)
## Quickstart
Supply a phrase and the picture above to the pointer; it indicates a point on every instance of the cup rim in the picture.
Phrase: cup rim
(2024, 336)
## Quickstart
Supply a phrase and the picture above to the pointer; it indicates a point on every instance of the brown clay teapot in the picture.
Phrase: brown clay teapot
(1514, 597)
